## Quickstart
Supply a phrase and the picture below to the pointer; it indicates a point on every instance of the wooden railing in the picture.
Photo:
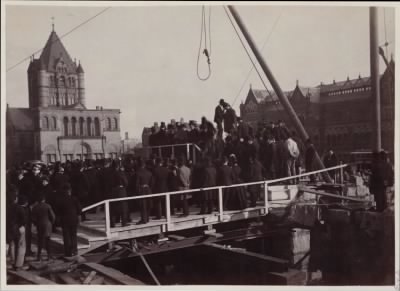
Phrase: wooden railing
(168, 196)
(189, 147)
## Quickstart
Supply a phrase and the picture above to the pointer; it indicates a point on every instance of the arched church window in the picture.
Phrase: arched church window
(96, 127)
(115, 124)
(66, 126)
(89, 126)
(54, 123)
(73, 126)
(81, 126)
(45, 123)
(109, 123)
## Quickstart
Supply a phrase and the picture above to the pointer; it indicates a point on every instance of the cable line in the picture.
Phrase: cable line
(248, 54)
(59, 39)
(262, 48)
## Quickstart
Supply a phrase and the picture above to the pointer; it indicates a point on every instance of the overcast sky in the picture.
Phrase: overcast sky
(143, 59)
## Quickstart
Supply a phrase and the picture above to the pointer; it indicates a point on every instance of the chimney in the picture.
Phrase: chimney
(348, 78)
(359, 76)
(334, 82)
(126, 135)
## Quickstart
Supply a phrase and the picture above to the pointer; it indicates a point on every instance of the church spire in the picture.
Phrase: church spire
(52, 23)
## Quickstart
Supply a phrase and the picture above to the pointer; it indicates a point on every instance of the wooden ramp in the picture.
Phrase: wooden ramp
(92, 232)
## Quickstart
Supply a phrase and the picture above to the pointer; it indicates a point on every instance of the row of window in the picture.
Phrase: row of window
(52, 158)
(79, 127)
(63, 100)
(349, 91)
(62, 81)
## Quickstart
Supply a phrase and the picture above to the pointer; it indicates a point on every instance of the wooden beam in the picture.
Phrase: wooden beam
(308, 190)
(176, 237)
(89, 278)
(31, 278)
(251, 257)
(113, 274)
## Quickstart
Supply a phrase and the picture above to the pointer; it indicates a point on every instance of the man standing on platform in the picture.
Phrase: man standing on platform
(69, 210)
(144, 184)
(219, 116)
(184, 174)
(160, 174)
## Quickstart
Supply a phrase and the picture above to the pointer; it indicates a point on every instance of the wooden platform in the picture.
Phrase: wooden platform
(92, 232)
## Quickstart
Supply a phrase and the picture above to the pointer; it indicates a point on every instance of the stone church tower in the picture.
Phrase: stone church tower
(57, 125)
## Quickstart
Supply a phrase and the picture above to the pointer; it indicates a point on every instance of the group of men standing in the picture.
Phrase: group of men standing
(45, 202)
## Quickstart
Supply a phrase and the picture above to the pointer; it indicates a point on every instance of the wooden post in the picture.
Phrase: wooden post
(107, 213)
(187, 152)
(159, 152)
(168, 209)
(194, 153)
(266, 204)
(173, 152)
(220, 204)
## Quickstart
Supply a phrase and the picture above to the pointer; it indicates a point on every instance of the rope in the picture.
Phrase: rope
(248, 54)
(262, 48)
(206, 51)
(62, 36)
(384, 22)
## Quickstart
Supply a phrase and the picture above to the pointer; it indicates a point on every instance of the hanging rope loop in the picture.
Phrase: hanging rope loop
(206, 49)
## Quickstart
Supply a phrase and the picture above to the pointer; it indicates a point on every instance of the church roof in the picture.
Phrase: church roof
(312, 92)
(20, 119)
(346, 84)
(54, 51)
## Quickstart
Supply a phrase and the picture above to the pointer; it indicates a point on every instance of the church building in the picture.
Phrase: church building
(57, 126)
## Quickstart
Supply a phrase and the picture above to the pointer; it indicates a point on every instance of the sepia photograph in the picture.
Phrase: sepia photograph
(199, 144)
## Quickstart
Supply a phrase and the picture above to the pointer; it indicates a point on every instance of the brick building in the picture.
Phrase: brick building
(338, 116)
(57, 126)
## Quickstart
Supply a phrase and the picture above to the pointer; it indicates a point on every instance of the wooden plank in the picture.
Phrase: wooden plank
(115, 275)
(67, 279)
(176, 237)
(244, 256)
(89, 278)
(31, 278)
(97, 281)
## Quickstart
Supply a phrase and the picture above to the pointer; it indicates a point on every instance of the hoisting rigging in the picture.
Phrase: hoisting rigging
(206, 50)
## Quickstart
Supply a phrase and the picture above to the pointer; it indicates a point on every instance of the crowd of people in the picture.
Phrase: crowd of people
(52, 196)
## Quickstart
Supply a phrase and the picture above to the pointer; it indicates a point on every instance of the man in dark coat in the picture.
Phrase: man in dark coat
(381, 178)
(225, 178)
(15, 228)
(144, 184)
(59, 179)
(43, 217)
(330, 160)
(119, 184)
(256, 174)
(229, 119)
(309, 158)
(160, 174)
(219, 116)
(243, 128)
(70, 209)
(210, 180)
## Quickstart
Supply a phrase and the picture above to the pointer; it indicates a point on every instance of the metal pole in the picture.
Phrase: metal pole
(107, 213)
(284, 101)
(374, 62)
(168, 210)
(266, 203)
(220, 204)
